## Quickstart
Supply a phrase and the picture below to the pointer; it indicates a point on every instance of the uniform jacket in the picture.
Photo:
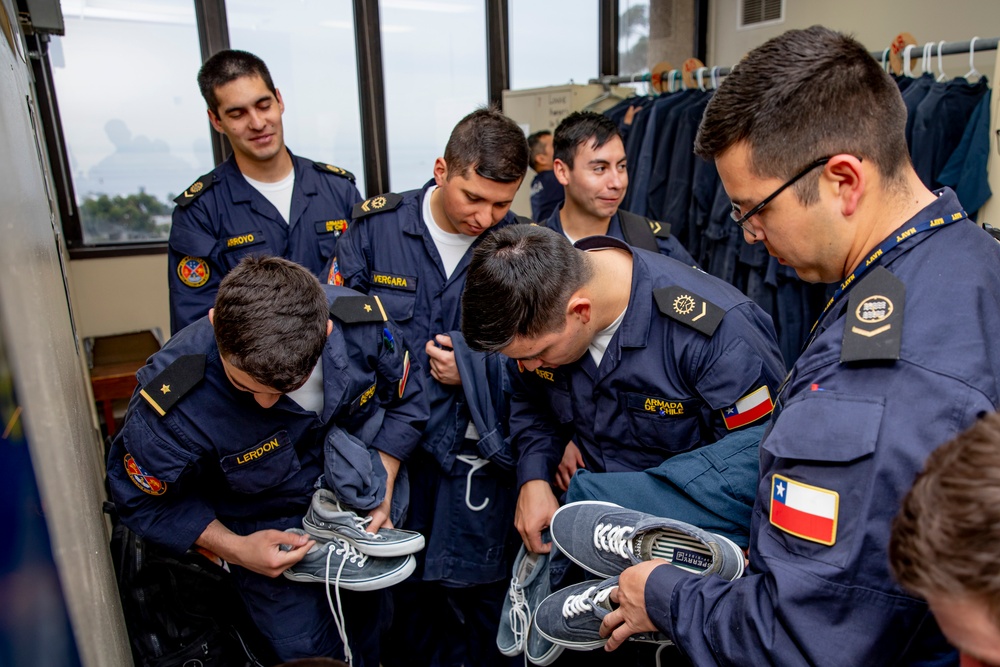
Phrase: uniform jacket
(546, 195)
(216, 454)
(853, 434)
(221, 218)
(663, 385)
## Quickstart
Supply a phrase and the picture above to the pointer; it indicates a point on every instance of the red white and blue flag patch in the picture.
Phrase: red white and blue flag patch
(806, 511)
(748, 409)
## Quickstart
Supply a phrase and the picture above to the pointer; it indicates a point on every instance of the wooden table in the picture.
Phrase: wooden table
(114, 361)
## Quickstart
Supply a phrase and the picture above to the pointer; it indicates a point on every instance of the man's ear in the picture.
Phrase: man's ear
(329, 327)
(211, 316)
(214, 120)
(440, 172)
(579, 306)
(561, 170)
(845, 175)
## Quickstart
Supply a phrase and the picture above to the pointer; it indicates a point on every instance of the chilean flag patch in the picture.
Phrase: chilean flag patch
(748, 409)
(805, 511)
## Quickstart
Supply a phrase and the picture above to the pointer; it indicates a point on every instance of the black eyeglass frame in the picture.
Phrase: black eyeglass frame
(742, 220)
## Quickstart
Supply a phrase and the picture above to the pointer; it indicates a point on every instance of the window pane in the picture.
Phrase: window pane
(633, 36)
(134, 122)
(308, 46)
(552, 42)
(434, 58)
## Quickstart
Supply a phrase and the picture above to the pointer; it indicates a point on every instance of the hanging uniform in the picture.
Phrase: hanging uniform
(547, 195)
(194, 448)
(221, 218)
(692, 360)
(906, 360)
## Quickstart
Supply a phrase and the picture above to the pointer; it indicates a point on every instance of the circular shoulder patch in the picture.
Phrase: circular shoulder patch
(193, 271)
(146, 482)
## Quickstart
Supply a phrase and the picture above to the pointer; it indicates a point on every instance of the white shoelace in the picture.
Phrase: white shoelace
(574, 605)
(356, 557)
(519, 615)
(615, 539)
(360, 522)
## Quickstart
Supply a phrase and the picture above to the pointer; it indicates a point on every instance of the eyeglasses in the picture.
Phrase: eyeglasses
(741, 220)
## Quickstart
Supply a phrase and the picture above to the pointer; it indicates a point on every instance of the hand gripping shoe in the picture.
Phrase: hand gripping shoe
(605, 538)
(339, 564)
(572, 616)
(326, 520)
(529, 585)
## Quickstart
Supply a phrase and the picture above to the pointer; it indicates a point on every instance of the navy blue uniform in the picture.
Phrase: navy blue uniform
(667, 243)
(663, 387)
(547, 194)
(217, 454)
(850, 437)
(389, 253)
(221, 218)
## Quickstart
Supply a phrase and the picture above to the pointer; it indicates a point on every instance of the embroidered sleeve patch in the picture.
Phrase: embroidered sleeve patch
(805, 511)
(750, 408)
(335, 277)
(193, 271)
(146, 482)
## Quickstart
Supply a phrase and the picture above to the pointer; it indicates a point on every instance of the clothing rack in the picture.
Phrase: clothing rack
(936, 48)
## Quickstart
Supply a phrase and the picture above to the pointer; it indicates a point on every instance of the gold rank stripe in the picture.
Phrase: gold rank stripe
(149, 399)
(385, 318)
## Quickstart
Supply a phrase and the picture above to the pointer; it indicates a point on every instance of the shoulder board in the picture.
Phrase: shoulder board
(873, 330)
(177, 379)
(195, 190)
(660, 229)
(330, 169)
(357, 309)
(688, 308)
(377, 204)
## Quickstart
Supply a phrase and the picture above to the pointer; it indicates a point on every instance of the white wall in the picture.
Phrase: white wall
(873, 23)
(120, 294)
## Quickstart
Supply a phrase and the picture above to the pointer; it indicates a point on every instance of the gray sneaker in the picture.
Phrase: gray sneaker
(327, 520)
(529, 585)
(572, 616)
(605, 538)
(340, 565)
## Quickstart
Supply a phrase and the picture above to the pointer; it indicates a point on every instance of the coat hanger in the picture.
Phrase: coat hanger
(972, 61)
(885, 60)
(700, 77)
(715, 77)
(608, 94)
(907, 69)
(926, 61)
(941, 75)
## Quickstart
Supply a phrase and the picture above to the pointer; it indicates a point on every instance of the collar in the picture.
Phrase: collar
(305, 183)
(634, 329)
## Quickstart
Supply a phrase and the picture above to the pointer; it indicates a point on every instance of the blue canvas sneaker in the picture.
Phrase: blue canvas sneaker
(529, 585)
(572, 616)
(327, 521)
(605, 539)
(340, 565)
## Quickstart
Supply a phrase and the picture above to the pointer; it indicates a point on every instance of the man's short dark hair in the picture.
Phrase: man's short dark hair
(270, 321)
(226, 66)
(520, 280)
(536, 147)
(804, 95)
(579, 128)
(946, 538)
(491, 144)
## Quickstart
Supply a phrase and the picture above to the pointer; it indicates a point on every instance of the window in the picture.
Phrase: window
(633, 36)
(552, 43)
(434, 59)
(754, 13)
(134, 122)
(309, 49)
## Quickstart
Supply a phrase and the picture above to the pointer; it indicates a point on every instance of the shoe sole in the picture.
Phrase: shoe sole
(576, 646)
(385, 581)
(380, 550)
(548, 657)
(740, 558)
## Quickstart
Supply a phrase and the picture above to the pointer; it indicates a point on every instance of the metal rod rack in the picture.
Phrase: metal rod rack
(945, 49)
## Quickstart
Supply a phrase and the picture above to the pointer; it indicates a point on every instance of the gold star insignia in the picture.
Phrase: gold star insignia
(368, 308)
(165, 389)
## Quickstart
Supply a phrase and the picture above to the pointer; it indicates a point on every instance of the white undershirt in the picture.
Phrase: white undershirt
(310, 395)
(600, 343)
(451, 247)
(278, 193)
